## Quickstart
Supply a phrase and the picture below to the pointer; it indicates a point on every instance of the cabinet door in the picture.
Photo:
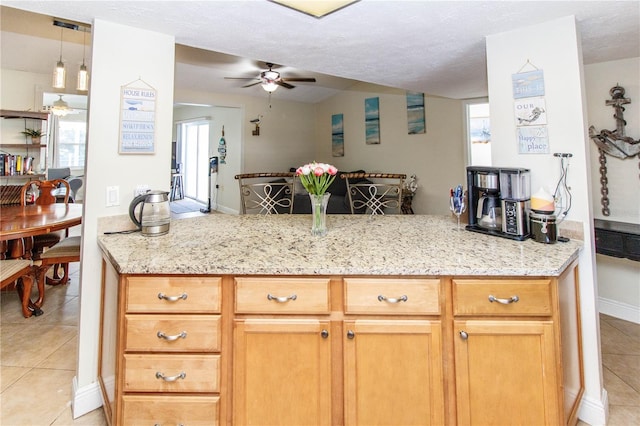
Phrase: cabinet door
(393, 372)
(506, 373)
(282, 372)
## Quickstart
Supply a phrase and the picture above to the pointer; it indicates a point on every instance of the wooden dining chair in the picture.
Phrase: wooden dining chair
(47, 192)
(261, 194)
(375, 193)
(58, 256)
(21, 270)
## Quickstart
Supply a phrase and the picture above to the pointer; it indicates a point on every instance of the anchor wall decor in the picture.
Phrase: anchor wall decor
(614, 143)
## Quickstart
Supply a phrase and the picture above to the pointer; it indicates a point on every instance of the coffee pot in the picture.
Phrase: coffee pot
(489, 212)
(154, 216)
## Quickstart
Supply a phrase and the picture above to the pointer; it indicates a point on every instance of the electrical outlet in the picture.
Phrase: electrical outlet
(141, 189)
(113, 196)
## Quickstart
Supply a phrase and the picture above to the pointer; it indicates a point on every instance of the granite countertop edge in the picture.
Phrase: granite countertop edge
(394, 245)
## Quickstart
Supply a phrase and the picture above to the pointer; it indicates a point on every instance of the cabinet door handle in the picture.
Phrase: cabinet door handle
(161, 296)
(512, 299)
(463, 335)
(182, 335)
(350, 334)
(324, 334)
(281, 299)
(159, 375)
(403, 298)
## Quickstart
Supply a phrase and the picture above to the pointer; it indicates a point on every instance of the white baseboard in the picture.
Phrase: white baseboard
(619, 310)
(594, 412)
(226, 210)
(85, 399)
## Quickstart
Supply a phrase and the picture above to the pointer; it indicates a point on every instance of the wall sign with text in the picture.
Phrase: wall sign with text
(137, 119)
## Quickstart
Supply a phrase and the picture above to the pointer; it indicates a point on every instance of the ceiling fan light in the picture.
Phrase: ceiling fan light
(270, 86)
(60, 107)
(83, 79)
(59, 75)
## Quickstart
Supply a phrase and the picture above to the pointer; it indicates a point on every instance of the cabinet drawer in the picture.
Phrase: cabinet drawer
(173, 294)
(473, 297)
(392, 296)
(170, 410)
(282, 295)
(172, 333)
(144, 372)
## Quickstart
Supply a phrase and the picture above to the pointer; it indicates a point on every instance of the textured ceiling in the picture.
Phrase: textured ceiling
(436, 47)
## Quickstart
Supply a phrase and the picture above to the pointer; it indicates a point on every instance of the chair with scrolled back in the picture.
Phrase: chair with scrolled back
(261, 194)
(377, 193)
(49, 192)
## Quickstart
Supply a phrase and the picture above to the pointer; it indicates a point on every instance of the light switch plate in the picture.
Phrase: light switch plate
(113, 196)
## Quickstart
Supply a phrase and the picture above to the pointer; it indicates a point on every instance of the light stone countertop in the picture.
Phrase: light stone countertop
(217, 244)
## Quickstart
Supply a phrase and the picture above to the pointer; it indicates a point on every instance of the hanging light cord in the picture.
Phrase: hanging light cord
(84, 45)
(61, 29)
(562, 193)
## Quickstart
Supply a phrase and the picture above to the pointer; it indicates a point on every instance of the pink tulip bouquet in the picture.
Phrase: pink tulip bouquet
(316, 177)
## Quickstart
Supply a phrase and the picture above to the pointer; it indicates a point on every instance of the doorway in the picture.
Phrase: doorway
(194, 142)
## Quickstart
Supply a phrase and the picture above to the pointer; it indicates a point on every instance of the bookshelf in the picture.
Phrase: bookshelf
(15, 148)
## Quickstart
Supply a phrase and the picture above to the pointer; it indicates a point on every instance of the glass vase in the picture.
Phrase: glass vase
(319, 213)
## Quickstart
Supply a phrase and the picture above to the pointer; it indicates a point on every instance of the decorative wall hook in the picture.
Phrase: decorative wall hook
(613, 142)
(256, 121)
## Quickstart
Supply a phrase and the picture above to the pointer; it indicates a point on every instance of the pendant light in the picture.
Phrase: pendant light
(83, 74)
(59, 72)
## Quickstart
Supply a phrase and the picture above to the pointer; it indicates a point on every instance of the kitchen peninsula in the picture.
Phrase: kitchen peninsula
(393, 319)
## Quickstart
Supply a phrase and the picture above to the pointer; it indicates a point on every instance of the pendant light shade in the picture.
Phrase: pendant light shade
(83, 74)
(59, 72)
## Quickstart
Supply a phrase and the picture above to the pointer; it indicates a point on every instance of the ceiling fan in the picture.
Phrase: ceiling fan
(270, 79)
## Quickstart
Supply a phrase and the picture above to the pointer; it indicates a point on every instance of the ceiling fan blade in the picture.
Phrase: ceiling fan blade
(240, 78)
(284, 84)
(308, 80)
(252, 84)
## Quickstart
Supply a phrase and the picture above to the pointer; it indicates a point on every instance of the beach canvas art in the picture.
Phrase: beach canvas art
(415, 113)
(372, 120)
(337, 135)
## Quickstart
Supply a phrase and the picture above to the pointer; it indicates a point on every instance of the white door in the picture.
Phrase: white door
(195, 160)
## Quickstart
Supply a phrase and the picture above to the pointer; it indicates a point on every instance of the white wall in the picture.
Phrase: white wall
(437, 157)
(554, 47)
(121, 55)
(618, 290)
(286, 139)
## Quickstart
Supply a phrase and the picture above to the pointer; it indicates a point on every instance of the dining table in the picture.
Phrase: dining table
(19, 224)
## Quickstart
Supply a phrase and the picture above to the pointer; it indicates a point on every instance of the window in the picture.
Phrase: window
(70, 147)
(478, 134)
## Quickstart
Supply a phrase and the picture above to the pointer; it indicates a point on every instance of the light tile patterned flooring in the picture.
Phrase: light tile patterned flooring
(38, 361)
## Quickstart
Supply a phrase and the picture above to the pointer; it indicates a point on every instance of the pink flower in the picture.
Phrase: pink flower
(299, 171)
(318, 171)
(332, 170)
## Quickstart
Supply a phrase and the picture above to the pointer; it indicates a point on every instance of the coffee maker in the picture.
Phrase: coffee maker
(493, 210)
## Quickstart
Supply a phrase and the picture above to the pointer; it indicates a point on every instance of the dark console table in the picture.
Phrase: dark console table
(618, 239)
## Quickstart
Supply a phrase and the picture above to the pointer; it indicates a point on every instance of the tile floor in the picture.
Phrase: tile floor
(38, 361)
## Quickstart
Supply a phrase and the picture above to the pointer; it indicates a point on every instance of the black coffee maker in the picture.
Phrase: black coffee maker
(486, 201)
(485, 211)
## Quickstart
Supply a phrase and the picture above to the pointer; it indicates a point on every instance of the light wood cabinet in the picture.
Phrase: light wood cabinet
(507, 337)
(393, 372)
(257, 350)
(282, 372)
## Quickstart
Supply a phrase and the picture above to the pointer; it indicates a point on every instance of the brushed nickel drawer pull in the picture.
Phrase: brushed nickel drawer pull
(350, 334)
(404, 298)
(159, 375)
(512, 299)
(183, 296)
(182, 335)
(281, 299)
(324, 334)
(464, 335)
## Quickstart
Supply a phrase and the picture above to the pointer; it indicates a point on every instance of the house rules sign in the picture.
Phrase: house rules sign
(137, 119)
